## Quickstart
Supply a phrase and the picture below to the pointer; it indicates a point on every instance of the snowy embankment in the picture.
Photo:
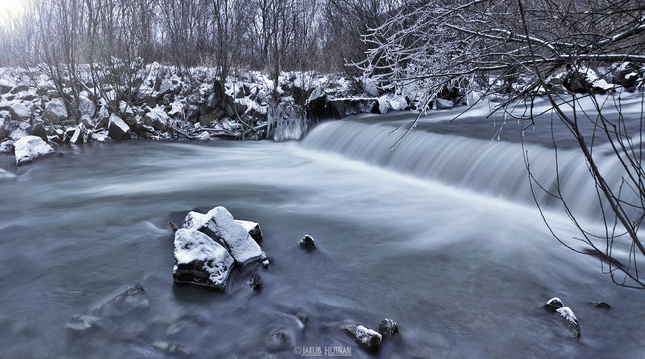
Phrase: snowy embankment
(171, 104)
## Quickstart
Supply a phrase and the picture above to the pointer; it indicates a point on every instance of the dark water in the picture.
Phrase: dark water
(463, 269)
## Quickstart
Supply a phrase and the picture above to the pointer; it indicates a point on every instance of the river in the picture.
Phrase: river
(439, 234)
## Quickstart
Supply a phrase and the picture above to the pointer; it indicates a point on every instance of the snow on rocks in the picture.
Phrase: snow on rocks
(368, 338)
(555, 305)
(200, 260)
(222, 227)
(19, 112)
(252, 228)
(208, 246)
(29, 148)
(55, 111)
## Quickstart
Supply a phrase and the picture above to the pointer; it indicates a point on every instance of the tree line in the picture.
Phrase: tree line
(267, 35)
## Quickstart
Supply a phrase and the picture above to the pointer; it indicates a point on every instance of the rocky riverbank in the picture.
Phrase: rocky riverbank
(173, 104)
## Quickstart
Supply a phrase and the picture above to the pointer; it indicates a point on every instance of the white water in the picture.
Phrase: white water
(462, 266)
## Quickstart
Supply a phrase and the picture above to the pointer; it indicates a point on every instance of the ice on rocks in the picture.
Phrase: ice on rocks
(29, 148)
(200, 260)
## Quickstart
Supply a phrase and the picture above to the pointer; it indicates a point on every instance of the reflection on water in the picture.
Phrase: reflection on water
(456, 269)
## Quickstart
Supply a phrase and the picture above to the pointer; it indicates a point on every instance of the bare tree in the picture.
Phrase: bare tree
(448, 43)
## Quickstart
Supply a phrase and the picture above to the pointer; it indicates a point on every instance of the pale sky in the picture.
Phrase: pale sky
(13, 7)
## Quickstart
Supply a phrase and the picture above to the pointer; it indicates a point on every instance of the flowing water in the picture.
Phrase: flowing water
(439, 234)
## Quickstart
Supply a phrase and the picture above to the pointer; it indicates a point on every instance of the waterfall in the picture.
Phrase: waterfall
(488, 167)
(287, 122)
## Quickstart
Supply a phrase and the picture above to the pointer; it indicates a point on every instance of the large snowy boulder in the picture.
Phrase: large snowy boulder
(157, 118)
(200, 260)
(29, 148)
(220, 225)
(19, 112)
(55, 111)
(117, 128)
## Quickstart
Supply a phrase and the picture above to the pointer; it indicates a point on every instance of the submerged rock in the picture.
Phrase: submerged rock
(125, 303)
(307, 242)
(200, 260)
(29, 148)
(255, 282)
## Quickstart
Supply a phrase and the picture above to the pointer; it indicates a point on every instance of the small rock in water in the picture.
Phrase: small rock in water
(601, 305)
(368, 338)
(307, 243)
(255, 282)
(388, 327)
(567, 314)
(555, 305)
(126, 302)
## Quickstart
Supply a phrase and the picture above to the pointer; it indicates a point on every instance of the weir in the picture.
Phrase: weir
(494, 168)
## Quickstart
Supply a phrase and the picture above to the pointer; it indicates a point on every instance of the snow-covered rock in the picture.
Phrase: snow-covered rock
(567, 314)
(384, 105)
(157, 118)
(19, 112)
(117, 127)
(20, 131)
(368, 338)
(200, 260)
(220, 225)
(6, 146)
(556, 305)
(86, 106)
(29, 148)
(55, 111)
(252, 228)
(398, 103)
